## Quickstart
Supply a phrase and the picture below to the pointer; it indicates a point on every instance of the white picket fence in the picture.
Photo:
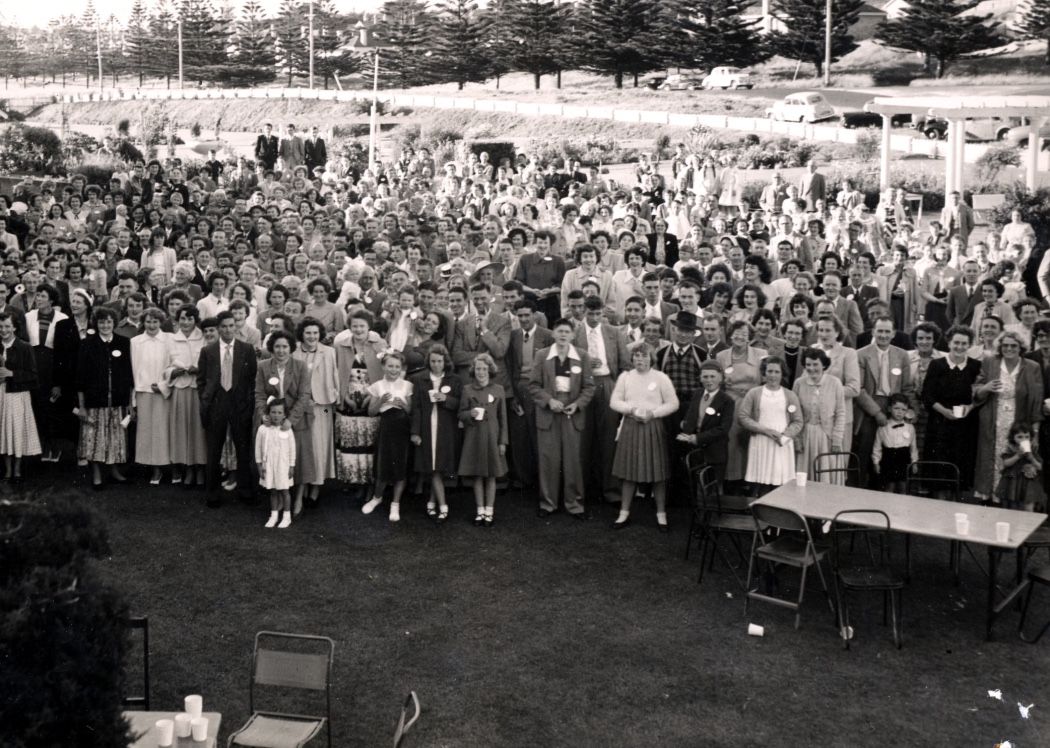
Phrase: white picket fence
(903, 143)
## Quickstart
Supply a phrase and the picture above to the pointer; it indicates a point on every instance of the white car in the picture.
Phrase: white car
(728, 77)
(805, 106)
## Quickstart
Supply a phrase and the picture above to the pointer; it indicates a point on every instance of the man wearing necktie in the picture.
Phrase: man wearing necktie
(525, 342)
(608, 358)
(964, 297)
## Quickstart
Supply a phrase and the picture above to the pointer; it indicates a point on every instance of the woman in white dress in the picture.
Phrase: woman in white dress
(150, 352)
(318, 464)
(772, 416)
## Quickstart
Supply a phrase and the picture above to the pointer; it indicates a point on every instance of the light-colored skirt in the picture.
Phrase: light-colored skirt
(815, 442)
(151, 436)
(102, 438)
(185, 430)
(316, 461)
(356, 439)
(641, 451)
(769, 463)
(18, 434)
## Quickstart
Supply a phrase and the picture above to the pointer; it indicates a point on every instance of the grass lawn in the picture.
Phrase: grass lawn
(552, 632)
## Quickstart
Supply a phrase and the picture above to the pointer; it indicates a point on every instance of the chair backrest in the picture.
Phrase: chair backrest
(829, 463)
(694, 459)
(707, 489)
(404, 724)
(874, 532)
(932, 475)
(140, 623)
(780, 519)
(287, 668)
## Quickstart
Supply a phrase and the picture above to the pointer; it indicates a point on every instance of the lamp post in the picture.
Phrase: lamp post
(365, 44)
(311, 32)
(180, 52)
(98, 52)
(827, 44)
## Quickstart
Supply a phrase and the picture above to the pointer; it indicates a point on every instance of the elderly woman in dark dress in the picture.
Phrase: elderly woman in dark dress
(435, 425)
(947, 394)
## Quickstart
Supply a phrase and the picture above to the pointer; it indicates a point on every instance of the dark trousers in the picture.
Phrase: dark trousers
(524, 454)
(223, 419)
(863, 442)
(599, 443)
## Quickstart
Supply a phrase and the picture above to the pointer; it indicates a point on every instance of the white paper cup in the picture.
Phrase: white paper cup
(479, 413)
(962, 523)
(193, 705)
(164, 729)
(753, 629)
(182, 725)
(958, 411)
(433, 394)
(1002, 532)
(800, 479)
(199, 728)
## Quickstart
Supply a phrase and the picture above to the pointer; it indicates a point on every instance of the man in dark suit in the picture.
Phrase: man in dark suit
(266, 147)
(663, 247)
(710, 340)
(879, 308)
(957, 218)
(709, 418)
(608, 358)
(315, 150)
(485, 331)
(226, 383)
(521, 412)
(965, 296)
(561, 387)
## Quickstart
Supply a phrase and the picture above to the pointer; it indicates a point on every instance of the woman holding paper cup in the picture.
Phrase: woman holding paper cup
(1010, 390)
(645, 397)
(947, 394)
(150, 352)
(772, 415)
(483, 413)
(104, 385)
(319, 360)
(18, 379)
(41, 324)
(390, 399)
(435, 425)
(824, 410)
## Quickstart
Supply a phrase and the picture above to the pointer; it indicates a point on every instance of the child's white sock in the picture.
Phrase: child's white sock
(371, 505)
(395, 511)
(487, 511)
(272, 522)
(661, 518)
(286, 520)
(624, 515)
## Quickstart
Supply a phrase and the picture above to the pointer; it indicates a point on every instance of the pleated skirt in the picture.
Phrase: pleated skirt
(18, 434)
(769, 463)
(185, 430)
(152, 442)
(102, 438)
(641, 452)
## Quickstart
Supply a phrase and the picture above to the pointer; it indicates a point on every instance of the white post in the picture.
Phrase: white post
(373, 129)
(311, 31)
(1032, 165)
(884, 153)
(180, 54)
(949, 162)
(960, 155)
(98, 52)
(827, 44)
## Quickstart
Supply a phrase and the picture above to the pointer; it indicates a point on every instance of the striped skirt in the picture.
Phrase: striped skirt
(18, 433)
(102, 438)
(185, 430)
(151, 436)
(641, 451)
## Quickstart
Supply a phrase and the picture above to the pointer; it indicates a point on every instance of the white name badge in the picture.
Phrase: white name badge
(895, 371)
(561, 384)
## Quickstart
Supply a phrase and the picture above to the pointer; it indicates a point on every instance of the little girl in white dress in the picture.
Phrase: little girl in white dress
(275, 455)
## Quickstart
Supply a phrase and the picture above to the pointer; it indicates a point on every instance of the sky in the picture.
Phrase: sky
(39, 13)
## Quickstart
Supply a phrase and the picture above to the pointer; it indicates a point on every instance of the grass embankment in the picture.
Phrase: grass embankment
(551, 632)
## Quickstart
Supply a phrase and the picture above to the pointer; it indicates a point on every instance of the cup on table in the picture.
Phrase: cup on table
(753, 629)
(959, 411)
(1002, 532)
(193, 705)
(165, 732)
(962, 523)
(800, 479)
(199, 728)
(182, 725)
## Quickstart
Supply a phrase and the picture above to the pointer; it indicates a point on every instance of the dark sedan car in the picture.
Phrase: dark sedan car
(855, 120)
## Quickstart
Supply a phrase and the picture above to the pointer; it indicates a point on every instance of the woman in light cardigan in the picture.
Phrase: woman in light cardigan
(185, 429)
(324, 389)
(645, 397)
(48, 420)
(150, 352)
(772, 415)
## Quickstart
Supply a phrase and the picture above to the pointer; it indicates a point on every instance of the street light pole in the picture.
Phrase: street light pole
(180, 53)
(98, 52)
(373, 124)
(827, 44)
(311, 31)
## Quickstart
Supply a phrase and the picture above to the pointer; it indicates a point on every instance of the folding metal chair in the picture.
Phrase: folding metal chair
(792, 546)
(832, 463)
(712, 520)
(1037, 576)
(732, 503)
(865, 570)
(929, 478)
(288, 669)
(140, 623)
(404, 724)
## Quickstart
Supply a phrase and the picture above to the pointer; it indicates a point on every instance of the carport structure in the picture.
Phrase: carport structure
(956, 110)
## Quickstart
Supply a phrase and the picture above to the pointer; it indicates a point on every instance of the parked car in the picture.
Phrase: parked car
(681, 82)
(853, 120)
(806, 106)
(1018, 136)
(654, 81)
(987, 128)
(728, 77)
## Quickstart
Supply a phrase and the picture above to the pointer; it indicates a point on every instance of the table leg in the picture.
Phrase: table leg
(993, 568)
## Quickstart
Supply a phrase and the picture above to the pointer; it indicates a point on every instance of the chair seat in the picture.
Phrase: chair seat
(266, 731)
(732, 522)
(870, 578)
(736, 503)
(1040, 575)
(1039, 539)
(788, 549)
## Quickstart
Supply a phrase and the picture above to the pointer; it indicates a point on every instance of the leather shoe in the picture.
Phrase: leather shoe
(582, 516)
(543, 513)
(664, 528)
(620, 525)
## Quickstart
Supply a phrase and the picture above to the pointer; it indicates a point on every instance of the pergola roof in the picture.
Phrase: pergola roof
(962, 107)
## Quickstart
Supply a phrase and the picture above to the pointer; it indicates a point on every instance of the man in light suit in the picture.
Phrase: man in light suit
(963, 297)
(845, 309)
(561, 387)
(608, 358)
(957, 218)
(811, 186)
(226, 383)
(525, 341)
(292, 150)
(884, 371)
(485, 331)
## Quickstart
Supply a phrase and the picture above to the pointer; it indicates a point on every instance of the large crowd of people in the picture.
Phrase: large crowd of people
(276, 325)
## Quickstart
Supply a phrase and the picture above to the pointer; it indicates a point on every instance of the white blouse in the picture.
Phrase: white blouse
(149, 359)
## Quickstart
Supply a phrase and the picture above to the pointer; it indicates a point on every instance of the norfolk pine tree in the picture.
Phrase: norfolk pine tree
(939, 31)
(803, 35)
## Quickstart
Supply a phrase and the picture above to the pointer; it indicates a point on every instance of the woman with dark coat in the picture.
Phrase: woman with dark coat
(947, 394)
(435, 425)
(69, 333)
(104, 384)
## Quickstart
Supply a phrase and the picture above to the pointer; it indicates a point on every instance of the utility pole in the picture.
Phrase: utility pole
(98, 52)
(180, 53)
(311, 29)
(827, 44)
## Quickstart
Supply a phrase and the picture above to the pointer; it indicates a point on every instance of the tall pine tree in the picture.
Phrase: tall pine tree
(137, 41)
(802, 37)
(459, 51)
(616, 35)
(205, 40)
(254, 42)
(1034, 22)
(939, 31)
(535, 38)
(404, 30)
(330, 57)
(291, 39)
(163, 45)
(706, 33)
(498, 33)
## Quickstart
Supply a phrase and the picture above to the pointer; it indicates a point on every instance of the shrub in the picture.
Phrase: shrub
(98, 169)
(364, 107)
(993, 161)
(124, 127)
(195, 129)
(868, 146)
(127, 151)
(30, 150)
(353, 130)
